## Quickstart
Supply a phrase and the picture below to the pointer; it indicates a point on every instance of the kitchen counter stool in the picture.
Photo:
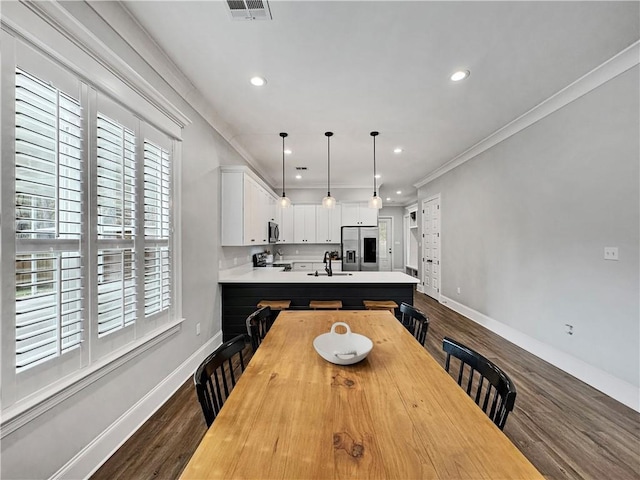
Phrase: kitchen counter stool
(380, 305)
(325, 304)
(275, 306)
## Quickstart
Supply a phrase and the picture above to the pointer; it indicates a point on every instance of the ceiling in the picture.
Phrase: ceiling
(354, 67)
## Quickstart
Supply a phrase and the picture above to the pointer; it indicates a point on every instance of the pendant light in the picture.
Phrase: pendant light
(284, 202)
(328, 201)
(375, 201)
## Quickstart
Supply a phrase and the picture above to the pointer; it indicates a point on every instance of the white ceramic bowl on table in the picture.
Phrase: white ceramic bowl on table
(342, 349)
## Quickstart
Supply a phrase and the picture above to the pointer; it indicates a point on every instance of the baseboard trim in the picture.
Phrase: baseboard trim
(617, 389)
(100, 449)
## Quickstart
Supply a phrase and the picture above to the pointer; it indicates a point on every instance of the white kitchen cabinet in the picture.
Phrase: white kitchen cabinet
(285, 224)
(304, 223)
(359, 214)
(302, 266)
(246, 208)
(328, 223)
(336, 266)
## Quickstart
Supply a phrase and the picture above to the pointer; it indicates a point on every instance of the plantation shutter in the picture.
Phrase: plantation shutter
(48, 207)
(116, 224)
(157, 227)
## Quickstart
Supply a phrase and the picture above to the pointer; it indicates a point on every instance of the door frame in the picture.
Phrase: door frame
(423, 203)
(389, 233)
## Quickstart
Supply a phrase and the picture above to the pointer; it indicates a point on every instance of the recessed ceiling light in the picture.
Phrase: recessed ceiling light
(397, 150)
(460, 75)
(399, 192)
(388, 199)
(287, 152)
(298, 176)
(258, 81)
(378, 175)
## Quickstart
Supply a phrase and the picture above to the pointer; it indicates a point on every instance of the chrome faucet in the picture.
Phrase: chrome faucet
(327, 267)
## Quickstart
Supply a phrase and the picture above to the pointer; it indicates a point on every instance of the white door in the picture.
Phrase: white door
(431, 247)
(385, 243)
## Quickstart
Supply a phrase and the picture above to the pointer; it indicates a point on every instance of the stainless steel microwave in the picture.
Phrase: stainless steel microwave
(274, 232)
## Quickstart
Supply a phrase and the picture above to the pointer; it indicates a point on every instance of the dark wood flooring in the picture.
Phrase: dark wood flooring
(567, 429)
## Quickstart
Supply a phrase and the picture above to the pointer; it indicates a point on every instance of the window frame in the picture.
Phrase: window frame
(23, 393)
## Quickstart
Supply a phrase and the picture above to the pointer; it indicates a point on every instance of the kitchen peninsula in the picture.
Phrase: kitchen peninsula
(244, 287)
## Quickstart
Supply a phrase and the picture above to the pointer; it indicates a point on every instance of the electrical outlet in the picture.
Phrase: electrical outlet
(611, 253)
(458, 290)
(235, 261)
(198, 328)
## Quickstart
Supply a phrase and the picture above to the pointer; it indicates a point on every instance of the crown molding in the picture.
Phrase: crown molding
(63, 22)
(616, 65)
(116, 15)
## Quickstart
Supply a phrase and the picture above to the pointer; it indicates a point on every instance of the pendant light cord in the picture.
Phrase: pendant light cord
(328, 135)
(374, 134)
(328, 167)
(283, 135)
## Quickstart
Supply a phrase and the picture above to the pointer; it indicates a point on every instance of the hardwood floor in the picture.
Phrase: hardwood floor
(567, 429)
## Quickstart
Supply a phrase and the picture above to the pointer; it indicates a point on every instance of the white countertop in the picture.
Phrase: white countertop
(277, 275)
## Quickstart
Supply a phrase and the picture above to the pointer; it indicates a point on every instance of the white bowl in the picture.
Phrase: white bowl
(342, 349)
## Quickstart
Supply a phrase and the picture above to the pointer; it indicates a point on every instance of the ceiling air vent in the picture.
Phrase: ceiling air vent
(249, 9)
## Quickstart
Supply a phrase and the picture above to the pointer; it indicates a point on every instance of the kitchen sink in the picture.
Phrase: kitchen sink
(324, 274)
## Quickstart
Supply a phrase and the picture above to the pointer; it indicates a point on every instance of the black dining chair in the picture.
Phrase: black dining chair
(217, 375)
(415, 321)
(258, 324)
(500, 394)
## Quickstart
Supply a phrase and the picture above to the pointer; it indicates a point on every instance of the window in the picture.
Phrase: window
(48, 164)
(157, 262)
(116, 220)
(93, 225)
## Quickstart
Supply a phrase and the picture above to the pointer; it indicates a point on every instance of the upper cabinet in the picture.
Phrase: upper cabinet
(285, 224)
(247, 207)
(304, 223)
(359, 214)
(328, 223)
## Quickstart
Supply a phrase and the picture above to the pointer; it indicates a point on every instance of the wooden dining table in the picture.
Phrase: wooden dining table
(395, 414)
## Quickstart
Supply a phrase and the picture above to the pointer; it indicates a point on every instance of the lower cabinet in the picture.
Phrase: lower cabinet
(302, 266)
(336, 266)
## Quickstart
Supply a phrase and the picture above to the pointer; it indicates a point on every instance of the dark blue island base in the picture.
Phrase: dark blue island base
(239, 300)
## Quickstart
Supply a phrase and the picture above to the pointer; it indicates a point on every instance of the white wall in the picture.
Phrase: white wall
(524, 225)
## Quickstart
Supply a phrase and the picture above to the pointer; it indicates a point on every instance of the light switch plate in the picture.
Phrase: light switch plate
(611, 253)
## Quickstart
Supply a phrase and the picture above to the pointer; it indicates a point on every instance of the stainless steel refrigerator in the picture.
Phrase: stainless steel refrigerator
(359, 249)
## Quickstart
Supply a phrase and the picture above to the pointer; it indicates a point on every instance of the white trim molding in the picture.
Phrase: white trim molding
(91, 457)
(122, 21)
(32, 407)
(618, 64)
(64, 23)
(617, 389)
